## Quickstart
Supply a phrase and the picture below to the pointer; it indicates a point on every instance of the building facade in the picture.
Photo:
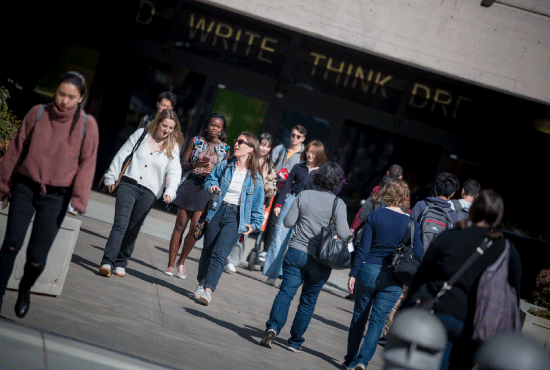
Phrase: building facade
(432, 85)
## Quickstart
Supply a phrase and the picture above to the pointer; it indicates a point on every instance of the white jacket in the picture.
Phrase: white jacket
(152, 170)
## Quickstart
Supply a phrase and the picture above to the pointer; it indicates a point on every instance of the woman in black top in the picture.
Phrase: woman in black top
(446, 255)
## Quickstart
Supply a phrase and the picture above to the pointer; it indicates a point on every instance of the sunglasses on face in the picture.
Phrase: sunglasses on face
(296, 136)
(241, 142)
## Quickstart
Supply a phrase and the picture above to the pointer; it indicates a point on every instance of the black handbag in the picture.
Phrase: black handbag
(332, 250)
(404, 262)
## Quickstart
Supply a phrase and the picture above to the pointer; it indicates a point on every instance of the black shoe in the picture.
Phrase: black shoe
(350, 297)
(382, 341)
(23, 303)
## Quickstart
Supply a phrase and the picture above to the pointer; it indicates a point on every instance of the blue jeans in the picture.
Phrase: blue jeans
(454, 328)
(273, 266)
(133, 203)
(376, 288)
(298, 268)
(222, 232)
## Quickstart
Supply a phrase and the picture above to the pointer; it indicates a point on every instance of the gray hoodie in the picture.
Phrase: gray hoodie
(278, 156)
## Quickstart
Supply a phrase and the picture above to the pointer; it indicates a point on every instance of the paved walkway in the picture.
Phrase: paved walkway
(148, 320)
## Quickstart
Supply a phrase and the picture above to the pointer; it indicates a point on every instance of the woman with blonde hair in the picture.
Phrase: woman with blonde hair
(371, 277)
(155, 162)
(299, 179)
(239, 211)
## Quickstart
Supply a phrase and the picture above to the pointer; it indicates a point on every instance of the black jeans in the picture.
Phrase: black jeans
(133, 203)
(49, 210)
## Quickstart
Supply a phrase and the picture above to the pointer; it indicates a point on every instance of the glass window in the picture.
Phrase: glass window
(366, 153)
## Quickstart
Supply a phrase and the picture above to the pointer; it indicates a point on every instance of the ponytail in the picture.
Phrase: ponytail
(76, 117)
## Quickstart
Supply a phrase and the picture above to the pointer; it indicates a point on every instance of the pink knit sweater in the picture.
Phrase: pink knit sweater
(49, 154)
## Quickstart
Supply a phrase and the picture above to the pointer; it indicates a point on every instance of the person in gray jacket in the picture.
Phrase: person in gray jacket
(309, 213)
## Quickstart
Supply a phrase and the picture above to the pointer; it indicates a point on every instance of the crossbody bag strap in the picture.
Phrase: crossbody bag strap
(473, 257)
(410, 227)
(332, 218)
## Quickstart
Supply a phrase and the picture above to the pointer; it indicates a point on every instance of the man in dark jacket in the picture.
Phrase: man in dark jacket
(446, 185)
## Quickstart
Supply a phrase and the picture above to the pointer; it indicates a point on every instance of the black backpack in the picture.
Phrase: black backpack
(433, 220)
(460, 210)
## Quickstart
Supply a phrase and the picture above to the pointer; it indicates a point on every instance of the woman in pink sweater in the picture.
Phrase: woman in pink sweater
(49, 163)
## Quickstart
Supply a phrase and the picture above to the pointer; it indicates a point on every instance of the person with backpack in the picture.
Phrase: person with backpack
(50, 162)
(447, 254)
(470, 190)
(434, 214)
(165, 100)
(284, 158)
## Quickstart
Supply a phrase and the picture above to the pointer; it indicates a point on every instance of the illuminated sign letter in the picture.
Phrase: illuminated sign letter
(415, 89)
(263, 46)
(202, 25)
(438, 99)
(225, 36)
(250, 40)
(381, 84)
(316, 62)
(458, 100)
(142, 16)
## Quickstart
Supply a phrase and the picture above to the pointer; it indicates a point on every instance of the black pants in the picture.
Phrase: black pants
(49, 210)
(133, 203)
(270, 229)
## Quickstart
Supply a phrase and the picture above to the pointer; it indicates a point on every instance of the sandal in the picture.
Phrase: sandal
(182, 274)
(168, 272)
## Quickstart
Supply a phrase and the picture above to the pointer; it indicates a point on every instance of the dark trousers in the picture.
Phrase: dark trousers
(49, 210)
(270, 229)
(222, 232)
(133, 203)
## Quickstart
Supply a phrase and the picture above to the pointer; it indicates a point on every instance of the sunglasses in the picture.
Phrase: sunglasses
(241, 142)
(294, 136)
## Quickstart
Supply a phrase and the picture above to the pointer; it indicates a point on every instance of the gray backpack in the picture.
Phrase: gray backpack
(497, 307)
(433, 220)
(460, 210)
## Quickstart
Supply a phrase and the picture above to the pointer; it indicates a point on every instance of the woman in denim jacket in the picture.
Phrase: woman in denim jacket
(239, 211)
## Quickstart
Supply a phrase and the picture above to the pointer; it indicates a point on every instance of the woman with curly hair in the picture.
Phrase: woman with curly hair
(308, 214)
(371, 277)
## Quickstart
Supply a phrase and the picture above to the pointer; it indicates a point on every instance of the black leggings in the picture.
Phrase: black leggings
(49, 211)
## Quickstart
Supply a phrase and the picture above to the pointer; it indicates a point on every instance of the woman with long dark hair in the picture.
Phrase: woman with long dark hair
(201, 155)
(447, 253)
(49, 163)
(240, 211)
(308, 214)
(267, 169)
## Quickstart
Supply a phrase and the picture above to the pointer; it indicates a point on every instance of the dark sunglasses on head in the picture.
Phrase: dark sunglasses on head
(295, 136)
(241, 142)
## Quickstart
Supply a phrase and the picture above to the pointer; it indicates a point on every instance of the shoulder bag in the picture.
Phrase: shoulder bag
(404, 262)
(125, 165)
(333, 251)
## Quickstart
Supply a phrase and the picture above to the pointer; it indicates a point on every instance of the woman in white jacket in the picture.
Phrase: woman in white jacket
(155, 162)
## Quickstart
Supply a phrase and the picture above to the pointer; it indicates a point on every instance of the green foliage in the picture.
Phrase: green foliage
(541, 294)
(9, 124)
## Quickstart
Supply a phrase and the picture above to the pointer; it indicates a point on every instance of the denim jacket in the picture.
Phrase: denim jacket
(252, 196)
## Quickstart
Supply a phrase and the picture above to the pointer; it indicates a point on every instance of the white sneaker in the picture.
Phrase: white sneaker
(230, 268)
(120, 271)
(205, 298)
(262, 256)
(271, 281)
(105, 270)
(198, 291)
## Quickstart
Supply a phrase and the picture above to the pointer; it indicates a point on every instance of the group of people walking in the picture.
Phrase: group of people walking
(290, 192)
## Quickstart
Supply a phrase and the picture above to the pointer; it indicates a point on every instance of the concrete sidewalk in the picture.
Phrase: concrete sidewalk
(148, 319)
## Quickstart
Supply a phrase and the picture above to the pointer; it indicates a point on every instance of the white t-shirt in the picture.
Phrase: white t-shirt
(233, 195)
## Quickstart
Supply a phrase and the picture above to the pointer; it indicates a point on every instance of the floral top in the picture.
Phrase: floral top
(270, 180)
(199, 146)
